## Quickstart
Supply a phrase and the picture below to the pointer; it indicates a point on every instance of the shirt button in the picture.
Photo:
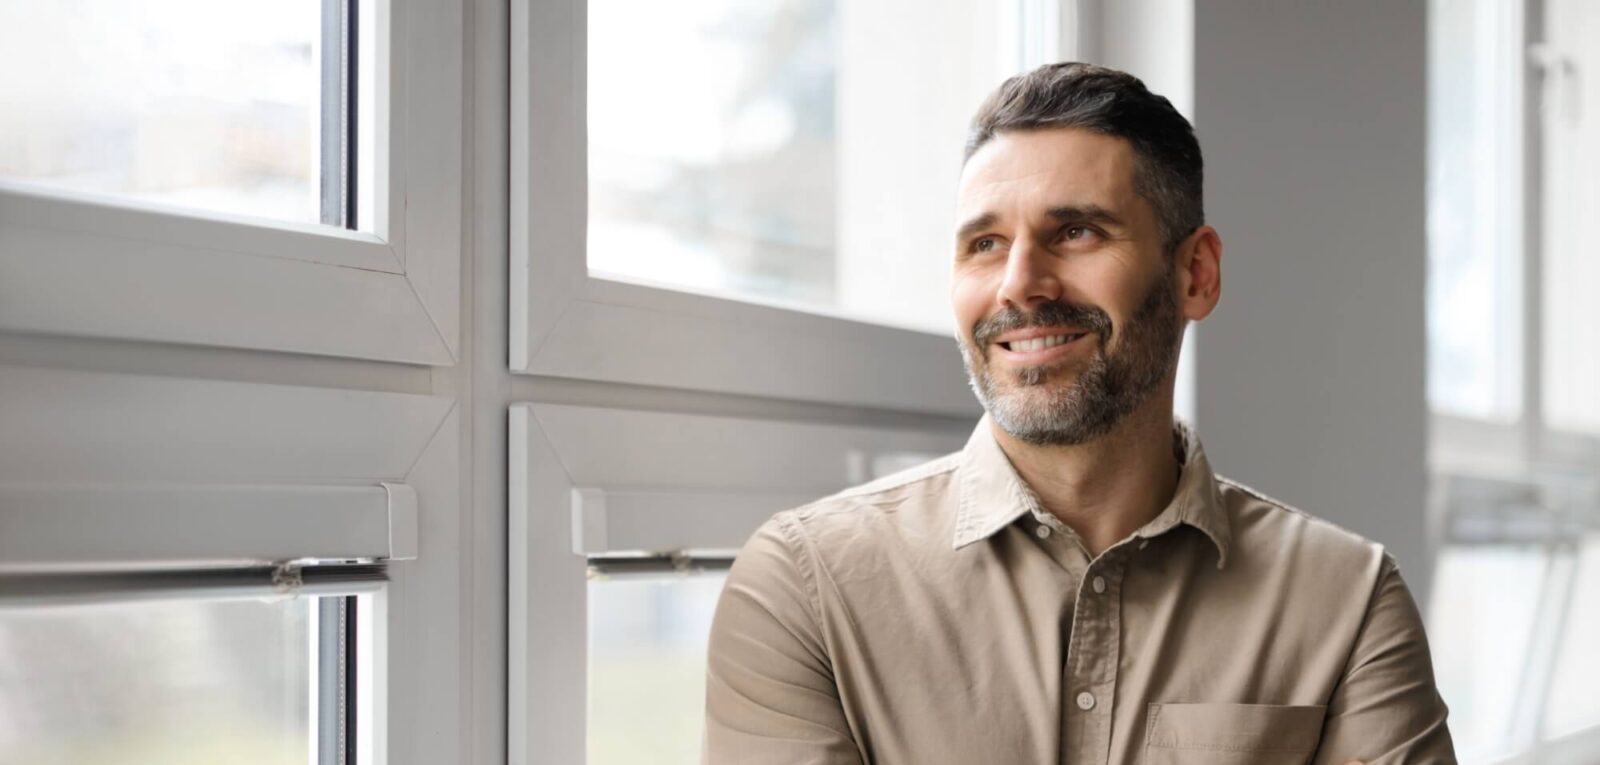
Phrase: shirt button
(1042, 532)
(1099, 587)
(1086, 701)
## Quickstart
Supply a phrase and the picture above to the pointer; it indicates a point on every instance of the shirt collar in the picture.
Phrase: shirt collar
(993, 496)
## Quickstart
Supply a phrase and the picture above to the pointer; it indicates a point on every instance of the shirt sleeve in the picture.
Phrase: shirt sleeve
(770, 691)
(1386, 709)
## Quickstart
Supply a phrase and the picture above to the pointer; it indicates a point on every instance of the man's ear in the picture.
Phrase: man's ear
(1199, 264)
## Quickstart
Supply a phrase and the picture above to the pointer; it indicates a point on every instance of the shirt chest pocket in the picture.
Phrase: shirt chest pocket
(1232, 734)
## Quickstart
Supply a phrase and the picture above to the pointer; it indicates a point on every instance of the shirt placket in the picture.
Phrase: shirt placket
(1089, 679)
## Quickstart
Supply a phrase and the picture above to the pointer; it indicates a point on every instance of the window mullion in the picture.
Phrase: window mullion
(336, 723)
(1530, 156)
(337, 161)
(332, 666)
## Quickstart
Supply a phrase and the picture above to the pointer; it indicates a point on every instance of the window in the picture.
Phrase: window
(226, 404)
(1573, 705)
(205, 148)
(729, 186)
(1481, 616)
(1570, 173)
(254, 680)
(629, 535)
(1513, 356)
(197, 489)
(763, 171)
(647, 663)
(801, 152)
(247, 108)
(1474, 211)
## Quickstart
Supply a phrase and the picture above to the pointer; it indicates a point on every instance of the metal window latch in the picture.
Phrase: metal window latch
(1563, 87)
(286, 579)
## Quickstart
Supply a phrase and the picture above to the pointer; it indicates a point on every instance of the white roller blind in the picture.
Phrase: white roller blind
(89, 528)
(112, 471)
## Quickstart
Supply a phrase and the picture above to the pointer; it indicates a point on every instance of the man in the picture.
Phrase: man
(1076, 585)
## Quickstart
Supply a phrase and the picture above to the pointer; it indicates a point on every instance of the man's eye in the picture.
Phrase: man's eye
(986, 244)
(1072, 233)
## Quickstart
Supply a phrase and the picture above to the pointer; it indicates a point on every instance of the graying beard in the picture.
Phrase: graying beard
(1103, 395)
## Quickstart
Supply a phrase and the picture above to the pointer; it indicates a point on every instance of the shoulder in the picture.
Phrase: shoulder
(1274, 534)
(1331, 582)
(886, 493)
(910, 505)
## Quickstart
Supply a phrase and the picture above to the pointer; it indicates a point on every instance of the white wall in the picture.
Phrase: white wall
(1312, 117)
(1150, 39)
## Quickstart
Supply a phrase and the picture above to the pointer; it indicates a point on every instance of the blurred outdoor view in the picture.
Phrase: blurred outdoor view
(711, 136)
(797, 152)
(191, 682)
(213, 106)
(647, 666)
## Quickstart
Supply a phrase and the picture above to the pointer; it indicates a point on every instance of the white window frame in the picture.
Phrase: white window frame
(607, 482)
(89, 265)
(1466, 443)
(99, 471)
(127, 472)
(566, 323)
(1461, 442)
(134, 383)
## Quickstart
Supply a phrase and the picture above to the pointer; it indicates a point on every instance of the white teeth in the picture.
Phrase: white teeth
(1041, 343)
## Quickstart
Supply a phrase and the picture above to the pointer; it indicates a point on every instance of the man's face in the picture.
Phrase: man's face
(1065, 302)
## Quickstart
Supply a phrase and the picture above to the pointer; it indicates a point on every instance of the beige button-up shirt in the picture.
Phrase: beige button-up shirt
(941, 616)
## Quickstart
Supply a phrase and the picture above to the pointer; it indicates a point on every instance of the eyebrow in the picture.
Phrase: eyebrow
(1084, 214)
(1062, 214)
(975, 225)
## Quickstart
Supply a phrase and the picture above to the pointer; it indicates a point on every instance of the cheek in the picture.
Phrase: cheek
(969, 300)
(1124, 301)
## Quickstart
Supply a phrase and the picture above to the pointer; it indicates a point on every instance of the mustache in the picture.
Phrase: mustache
(1051, 314)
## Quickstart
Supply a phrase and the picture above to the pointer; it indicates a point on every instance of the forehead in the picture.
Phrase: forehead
(1045, 168)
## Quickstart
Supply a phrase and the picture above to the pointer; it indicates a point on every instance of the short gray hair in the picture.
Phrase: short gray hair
(1169, 173)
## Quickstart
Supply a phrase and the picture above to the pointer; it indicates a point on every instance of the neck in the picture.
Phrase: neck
(1106, 489)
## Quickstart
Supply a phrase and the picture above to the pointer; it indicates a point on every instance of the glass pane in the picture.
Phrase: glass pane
(797, 152)
(1480, 626)
(202, 104)
(1474, 209)
(647, 666)
(1574, 701)
(1571, 173)
(157, 683)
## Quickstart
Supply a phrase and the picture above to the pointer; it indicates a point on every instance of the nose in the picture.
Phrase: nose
(1029, 277)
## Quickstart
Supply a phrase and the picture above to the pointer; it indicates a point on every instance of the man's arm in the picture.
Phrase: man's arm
(770, 692)
(1386, 709)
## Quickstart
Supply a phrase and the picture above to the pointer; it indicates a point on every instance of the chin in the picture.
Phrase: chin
(1058, 378)
(1033, 398)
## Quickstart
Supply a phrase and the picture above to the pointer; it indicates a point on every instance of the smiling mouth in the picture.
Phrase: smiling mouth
(1040, 343)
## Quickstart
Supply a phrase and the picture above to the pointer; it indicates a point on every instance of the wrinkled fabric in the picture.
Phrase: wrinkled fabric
(925, 618)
